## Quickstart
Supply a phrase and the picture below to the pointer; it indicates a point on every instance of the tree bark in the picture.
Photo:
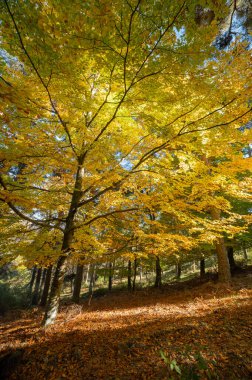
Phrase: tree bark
(35, 297)
(140, 273)
(232, 263)
(129, 275)
(33, 276)
(245, 254)
(110, 276)
(158, 280)
(134, 275)
(77, 283)
(57, 283)
(46, 286)
(92, 278)
(178, 271)
(202, 268)
(43, 277)
(86, 275)
(224, 274)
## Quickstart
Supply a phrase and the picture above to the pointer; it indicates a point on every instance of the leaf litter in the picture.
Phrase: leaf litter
(202, 332)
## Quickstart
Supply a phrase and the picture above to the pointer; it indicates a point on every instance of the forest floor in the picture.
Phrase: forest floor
(202, 330)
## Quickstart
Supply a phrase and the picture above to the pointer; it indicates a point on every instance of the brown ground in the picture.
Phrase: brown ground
(205, 328)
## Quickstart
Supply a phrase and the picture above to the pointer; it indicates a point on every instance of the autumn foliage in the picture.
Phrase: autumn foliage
(125, 140)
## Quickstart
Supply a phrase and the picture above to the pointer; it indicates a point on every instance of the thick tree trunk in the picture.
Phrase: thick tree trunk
(158, 280)
(134, 275)
(35, 297)
(77, 283)
(54, 297)
(110, 276)
(224, 274)
(46, 286)
(202, 268)
(129, 275)
(57, 283)
(178, 271)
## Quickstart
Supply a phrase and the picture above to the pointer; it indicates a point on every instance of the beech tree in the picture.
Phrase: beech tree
(97, 95)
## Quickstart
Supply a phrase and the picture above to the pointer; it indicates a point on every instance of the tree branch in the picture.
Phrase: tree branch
(105, 215)
(63, 123)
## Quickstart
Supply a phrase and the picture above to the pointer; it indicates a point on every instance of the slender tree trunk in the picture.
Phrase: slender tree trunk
(110, 276)
(202, 268)
(33, 276)
(178, 270)
(122, 272)
(77, 283)
(158, 281)
(146, 275)
(43, 277)
(46, 286)
(134, 275)
(129, 275)
(231, 260)
(86, 275)
(194, 267)
(92, 277)
(140, 273)
(105, 273)
(57, 283)
(35, 297)
(245, 253)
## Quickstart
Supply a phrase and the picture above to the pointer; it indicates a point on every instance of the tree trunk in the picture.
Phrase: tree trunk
(33, 276)
(35, 297)
(178, 271)
(43, 277)
(86, 275)
(231, 260)
(245, 254)
(110, 276)
(129, 275)
(224, 274)
(92, 278)
(134, 275)
(77, 283)
(146, 276)
(140, 273)
(105, 273)
(46, 286)
(202, 268)
(54, 297)
(61, 267)
(121, 271)
(158, 281)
